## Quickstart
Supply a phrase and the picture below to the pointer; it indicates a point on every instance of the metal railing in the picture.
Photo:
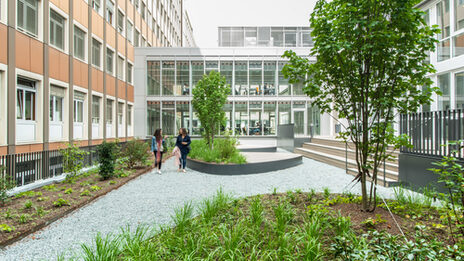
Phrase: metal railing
(26, 168)
(429, 131)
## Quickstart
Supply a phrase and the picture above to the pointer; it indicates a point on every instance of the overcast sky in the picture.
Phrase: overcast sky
(207, 15)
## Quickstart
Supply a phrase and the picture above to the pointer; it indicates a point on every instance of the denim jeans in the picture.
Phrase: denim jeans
(183, 160)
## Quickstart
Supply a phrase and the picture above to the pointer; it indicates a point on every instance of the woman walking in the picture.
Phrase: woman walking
(157, 146)
(183, 143)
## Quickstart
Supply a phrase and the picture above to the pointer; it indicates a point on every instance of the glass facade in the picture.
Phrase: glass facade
(265, 37)
(260, 100)
(444, 85)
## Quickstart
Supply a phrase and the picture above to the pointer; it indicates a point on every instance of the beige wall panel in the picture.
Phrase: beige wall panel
(110, 85)
(130, 11)
(97, 80)
(122, 5)
(130, 93)
(36, 56)
(81, 13)
(97, 24)
(23, 52)
(144, 29)
(137, 20)
(3, 44)
(62, 4)
(110, 35)
(121, 89)
(84, 75)
(64, 67)
(130, 52)
(121, 44)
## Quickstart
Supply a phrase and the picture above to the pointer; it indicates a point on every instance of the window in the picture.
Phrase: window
(56, 103)
(120, 22)
(109, 111)
(459, 14)
(25, 100)
(120, 68)
(110, 12)
(120, 112)
(129, 115)
(96, 5)
(79, 43)
(57, 26)
(443, 21)
(130, 32)
(143, 11)
(95, 109)
(137, 39)
(109, 61)
(444, 85)
(129, 73)
(79, 98)
(28, 15)
(96, 53)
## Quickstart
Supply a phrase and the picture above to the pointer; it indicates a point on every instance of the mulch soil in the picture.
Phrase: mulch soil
(27, 220)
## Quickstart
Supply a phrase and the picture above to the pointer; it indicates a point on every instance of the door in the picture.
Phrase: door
(298, 120)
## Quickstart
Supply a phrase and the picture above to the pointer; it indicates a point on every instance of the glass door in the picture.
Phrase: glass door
(299, 117)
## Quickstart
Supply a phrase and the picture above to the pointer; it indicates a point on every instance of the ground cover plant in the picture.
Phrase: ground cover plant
(285, 226)
(25, 212)
(224, 151)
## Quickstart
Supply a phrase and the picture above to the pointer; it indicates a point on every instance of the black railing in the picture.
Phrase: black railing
(26, 168)
(429, 131)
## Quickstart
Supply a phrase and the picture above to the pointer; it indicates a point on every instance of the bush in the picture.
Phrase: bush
(73, 160)
(224, 151)
(6, 184)
(136, 152)
(107, 155)
(61, 202)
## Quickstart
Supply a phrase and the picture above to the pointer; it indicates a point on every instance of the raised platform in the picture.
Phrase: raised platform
(257, 162)
(251, 148)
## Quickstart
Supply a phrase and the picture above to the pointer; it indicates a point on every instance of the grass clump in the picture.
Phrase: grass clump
(224, 151)
(61, 202)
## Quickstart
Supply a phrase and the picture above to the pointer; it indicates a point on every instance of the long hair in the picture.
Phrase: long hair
(184, 131)
(157, 134)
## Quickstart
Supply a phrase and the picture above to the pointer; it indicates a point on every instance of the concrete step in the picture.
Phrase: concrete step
(337, 161)
(340, 152)
(340, 143)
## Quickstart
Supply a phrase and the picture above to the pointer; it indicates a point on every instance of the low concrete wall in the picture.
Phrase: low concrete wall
(414, 173)
(286, 138)
(241, 169)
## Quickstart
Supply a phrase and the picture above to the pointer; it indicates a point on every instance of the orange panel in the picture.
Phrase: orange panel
(3, 44)
(63, 5)
(130, 52)
(81, 12)
(121, 89)
(37, 56)
(3, 150)
(100, 80)
(77, 74)
(97, 80)
(97, 24)
(54, 63)
(29, 148)
(64, 67)
(23, 52)
(137, 20)
(144, 29)
(97, 142)
(57, 145)
(110, 36)
(84, 75)
(121, 44)
(110, 85)
(130, 11)
(130, 93)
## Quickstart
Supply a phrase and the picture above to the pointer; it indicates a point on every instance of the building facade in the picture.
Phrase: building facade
(260, 99)
(66, 68)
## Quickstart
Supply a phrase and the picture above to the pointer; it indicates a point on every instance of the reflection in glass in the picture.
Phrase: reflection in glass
(196, 124)
(168, 77)
(153, 117)
(443, 18)
(228, 124)
(182, 115)
(444, 85)
(284, 112)
(458, 45)
(459, 14)
(168, 118)
(269, 78)
(298, 88)
(250, 36)
(241, 78)
(197, 72)
(211, 66)
(459, 82)
(227, 68)
(256, 77)
(290, 37)
(269, 118)
(444, 50)
(241, 118)
(255, 118)
(277, 37)
(183, 81)
(153, 78)
(314, 120)
(284, 85)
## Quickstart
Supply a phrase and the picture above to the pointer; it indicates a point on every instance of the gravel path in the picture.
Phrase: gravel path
(152, 198)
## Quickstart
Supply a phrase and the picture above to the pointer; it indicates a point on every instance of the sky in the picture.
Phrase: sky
(207, 15)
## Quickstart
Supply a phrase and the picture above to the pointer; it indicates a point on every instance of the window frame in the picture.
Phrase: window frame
(109, 12)
(25, 17)
(109, 67)
(129, 70)
(120, 27)
(130, 32)
(96, 113)
(76, 111)
(84, 43)
(121, 69)
(24, 89)
(99, 65)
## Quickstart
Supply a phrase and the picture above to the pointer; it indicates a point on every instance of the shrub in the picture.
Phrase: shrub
(68, 191)
(61, 202)
(24, 218)
(107, 155)
(73, 160)
(224, 151)
(6, 184)
(95, 188)
(42, 198)
(39, 211)
(28, 204)
(6, 228)
(136, 152)
(85, 193)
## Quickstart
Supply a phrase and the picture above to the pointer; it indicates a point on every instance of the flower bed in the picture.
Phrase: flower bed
(224, 151)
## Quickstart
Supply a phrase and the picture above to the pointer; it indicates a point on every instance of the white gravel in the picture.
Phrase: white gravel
(152, 198)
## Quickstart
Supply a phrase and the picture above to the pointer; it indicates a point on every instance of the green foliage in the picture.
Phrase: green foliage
(40, 212)
(106, 248)
(209, 97)
(95, 188)
(85, 193)
(112, 182)
(6, 228)
(372, 222)
(137, 152)
(8, 214)
(451, 173)
(51, 188)
(107, 155)
(73, 160)
(24, 218)
(42, 199)
(224, 151)
(370, 61)
(326, 192)
(61, 202)
(6, 184)
(68, 191)
(28, 204)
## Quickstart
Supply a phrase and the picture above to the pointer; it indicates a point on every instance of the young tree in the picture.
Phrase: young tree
(209, 97)
(371, 61)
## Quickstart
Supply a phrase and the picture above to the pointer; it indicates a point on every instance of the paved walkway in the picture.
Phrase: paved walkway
(152, 198)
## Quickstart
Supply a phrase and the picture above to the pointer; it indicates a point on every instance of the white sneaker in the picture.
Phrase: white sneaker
(159, 171)
(184, 171)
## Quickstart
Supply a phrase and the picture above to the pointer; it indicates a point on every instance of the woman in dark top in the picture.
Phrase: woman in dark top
(157, 146)
(183, 143)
